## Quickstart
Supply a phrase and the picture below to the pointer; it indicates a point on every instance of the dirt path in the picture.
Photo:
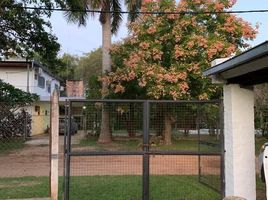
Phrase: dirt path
(132, 165)
(30, 161)
(33, 160)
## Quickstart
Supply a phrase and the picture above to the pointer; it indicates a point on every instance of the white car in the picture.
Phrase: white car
(261, 158)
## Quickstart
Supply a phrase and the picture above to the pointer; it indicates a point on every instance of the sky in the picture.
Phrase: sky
(80, 40)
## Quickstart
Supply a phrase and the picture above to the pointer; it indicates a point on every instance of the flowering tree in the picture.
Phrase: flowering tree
(165, 54)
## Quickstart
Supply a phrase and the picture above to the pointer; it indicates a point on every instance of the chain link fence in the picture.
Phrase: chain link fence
(144, 150)
(15, 126)
(24, 150)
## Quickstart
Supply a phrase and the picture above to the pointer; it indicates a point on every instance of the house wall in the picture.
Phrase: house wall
(18, 78)
(43, 91)
(40, 112)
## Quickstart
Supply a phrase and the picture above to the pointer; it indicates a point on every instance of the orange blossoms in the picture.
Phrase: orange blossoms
(164, 55)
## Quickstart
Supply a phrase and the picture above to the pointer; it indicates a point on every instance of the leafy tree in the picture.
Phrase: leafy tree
(67, 67)
(12, 118)
(110, 23)
(94, 88)
(261, 108)
(88, 69)
(25, 32)
(89, 65)
(165, 55)
(14, 96)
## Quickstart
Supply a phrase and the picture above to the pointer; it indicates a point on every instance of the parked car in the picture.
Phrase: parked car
(63, 126)
(261, 159)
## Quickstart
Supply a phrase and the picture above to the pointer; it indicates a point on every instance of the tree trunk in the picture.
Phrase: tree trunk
(167, 129)
(105, 134)
(130, 122)
(186, 132)
(159, 126)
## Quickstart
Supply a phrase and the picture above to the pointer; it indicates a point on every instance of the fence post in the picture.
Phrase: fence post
(25, 125)
(146, 156)
(54, 145)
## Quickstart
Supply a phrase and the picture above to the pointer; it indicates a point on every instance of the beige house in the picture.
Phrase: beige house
(31, 76)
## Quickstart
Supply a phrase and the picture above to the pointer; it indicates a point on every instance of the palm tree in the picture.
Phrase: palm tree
(110, 19)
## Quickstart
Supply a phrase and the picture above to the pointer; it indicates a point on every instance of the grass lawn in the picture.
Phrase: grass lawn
(130, 188)
(116, 188)
(120, 187)
(24, 187)
(11, 144)
(111, 188)
(129, 144)
(261, 192)
(189, 143)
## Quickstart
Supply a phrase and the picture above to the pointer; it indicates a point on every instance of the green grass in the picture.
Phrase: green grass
(189, 143)
(111, 188)
(24, 187)
(120, 187)
(11, 144)
(118, 144)
(180, 143)
(89, 141)
(116, 188)
(260, 188)
(130, 188)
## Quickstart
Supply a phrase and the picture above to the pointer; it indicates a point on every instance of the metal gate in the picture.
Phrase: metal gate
(143, 149)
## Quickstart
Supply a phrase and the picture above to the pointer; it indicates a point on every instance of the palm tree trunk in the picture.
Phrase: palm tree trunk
(105, 134)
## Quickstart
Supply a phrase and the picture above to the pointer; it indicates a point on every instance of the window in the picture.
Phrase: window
(57, 87)
(41, 82)
(48, 84)
(37, 109)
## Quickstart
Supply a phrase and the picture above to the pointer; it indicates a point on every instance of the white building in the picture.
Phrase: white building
(30, 76)
(238, 75)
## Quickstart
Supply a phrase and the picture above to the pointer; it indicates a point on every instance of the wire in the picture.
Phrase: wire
(146, 12)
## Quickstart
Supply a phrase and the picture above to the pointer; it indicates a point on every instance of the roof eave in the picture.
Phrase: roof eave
(247, 56)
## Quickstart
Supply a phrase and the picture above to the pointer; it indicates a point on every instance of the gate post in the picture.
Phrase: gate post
(146, 161)
(67, 151)
(222, 146)
(239, 139)
(54, 145)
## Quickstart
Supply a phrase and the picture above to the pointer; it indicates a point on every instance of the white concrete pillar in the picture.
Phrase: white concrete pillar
(54, 146)
(240, 177)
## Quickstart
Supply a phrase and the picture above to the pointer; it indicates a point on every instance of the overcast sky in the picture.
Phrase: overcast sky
(79, 40)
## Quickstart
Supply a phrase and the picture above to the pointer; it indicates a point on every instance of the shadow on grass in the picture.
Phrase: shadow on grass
(9, 145)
